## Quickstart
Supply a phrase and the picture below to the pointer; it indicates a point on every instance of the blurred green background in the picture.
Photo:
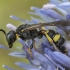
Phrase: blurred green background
(18, 8)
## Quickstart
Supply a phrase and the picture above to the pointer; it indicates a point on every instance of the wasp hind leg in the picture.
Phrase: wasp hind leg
(50, 39)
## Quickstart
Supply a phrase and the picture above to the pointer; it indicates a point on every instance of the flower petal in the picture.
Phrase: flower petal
(56, 2)
(44, 62)
(4, 47)
(11, 27)
(68, 53)
(60, 31)
(29, 42)
(44, 17)
(22, 42)
(49, 6)
(50, 68)
(66, 9)
(59, 66)
(66, 5)
(17, 18)
(68, 29)
(18, 54)
(25, 66)
(62, 11)
(63, 59)
(7, 67)
(46, 45)
(59, 58)
(51, 13)
(65, 0)
(67, 45)
(35, 20)
(68, 16)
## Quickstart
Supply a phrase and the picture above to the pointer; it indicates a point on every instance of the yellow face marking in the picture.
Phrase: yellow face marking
(17, 36)
(22, 30)
(56, 37)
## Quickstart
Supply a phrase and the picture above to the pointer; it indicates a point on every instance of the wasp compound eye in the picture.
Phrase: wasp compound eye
(11, 37)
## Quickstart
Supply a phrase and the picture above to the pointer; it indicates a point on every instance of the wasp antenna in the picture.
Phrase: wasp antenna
(3, 31)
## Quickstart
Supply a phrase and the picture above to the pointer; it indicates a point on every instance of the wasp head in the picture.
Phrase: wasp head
(10, 38)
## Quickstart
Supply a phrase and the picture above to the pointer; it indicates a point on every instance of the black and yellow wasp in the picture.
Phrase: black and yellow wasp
(30, 31)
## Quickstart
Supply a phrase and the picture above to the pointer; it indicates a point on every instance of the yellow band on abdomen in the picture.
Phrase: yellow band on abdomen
(56, 37)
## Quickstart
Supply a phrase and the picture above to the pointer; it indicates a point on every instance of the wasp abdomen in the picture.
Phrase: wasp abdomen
(60, 45)
(58, 40)
(51, 33)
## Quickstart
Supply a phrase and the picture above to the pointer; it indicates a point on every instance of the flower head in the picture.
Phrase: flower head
(48, 58)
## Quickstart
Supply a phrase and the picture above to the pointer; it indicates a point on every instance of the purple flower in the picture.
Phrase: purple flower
(48, 58)
(58, 58)
(7, 67)
(51, 13)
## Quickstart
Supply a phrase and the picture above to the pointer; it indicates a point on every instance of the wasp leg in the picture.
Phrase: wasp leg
(35, 46)
(49, 39)
(30, 53)
(30, 56)
(29, 50)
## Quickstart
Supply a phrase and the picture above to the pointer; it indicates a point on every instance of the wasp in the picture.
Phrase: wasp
(30, 31)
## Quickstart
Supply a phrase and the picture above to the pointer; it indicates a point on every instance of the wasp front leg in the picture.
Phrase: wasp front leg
(29, 51)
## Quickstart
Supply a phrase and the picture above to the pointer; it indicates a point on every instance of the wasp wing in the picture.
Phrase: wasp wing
(55, 23)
